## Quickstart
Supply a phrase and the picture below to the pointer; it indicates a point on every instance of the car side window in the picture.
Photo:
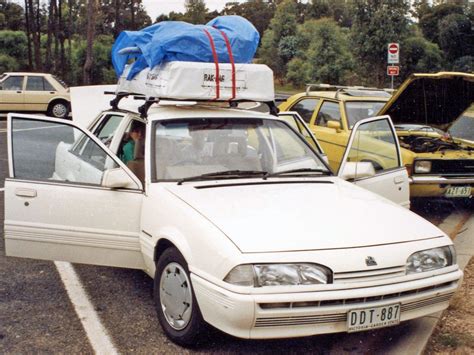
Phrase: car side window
(107, 128)
(305, 108)
(13, 83)
(34, 83)
(329, 111)
(53, 158)
(47, 85)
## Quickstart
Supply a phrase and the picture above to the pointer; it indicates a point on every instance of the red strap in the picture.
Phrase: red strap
(216, 62)
(231, 58)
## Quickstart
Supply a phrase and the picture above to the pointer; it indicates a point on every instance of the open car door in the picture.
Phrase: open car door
(373, 160)
(68, 197)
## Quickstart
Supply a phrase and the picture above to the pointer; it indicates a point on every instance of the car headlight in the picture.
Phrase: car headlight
(431, 259)
(422, 166)
(260, 275)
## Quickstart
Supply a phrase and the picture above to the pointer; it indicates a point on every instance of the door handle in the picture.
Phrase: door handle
(19, 92)
(25, 192)
(398, 179)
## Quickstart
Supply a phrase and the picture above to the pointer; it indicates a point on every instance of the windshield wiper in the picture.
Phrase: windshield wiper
(227, 174)
(296, 172)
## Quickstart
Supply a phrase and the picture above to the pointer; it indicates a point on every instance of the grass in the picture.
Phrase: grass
(287, 89)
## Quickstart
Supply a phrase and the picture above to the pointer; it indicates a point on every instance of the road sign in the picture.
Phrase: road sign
(393, 52)
(393, 70)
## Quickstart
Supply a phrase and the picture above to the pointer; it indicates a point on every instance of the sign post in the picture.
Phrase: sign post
(393, 57)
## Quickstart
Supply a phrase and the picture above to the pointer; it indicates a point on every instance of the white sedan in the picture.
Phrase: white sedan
(234, 214)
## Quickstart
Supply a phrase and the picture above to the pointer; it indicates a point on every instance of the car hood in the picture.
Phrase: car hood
(277, 216)
(431, 99)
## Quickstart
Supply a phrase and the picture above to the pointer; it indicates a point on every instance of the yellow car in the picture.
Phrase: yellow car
(34, 92)
(440, 163)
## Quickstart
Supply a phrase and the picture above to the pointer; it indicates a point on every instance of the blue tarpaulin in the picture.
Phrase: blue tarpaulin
(181, 41)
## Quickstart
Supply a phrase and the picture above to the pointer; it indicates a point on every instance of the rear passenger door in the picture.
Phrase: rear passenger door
(373, 160)
(38, 93)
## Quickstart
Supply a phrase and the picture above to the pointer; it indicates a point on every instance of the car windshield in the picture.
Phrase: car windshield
(463, 127)
(358, 110)
(222, 147)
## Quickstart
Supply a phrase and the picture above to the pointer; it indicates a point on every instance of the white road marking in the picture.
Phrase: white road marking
(97, 334)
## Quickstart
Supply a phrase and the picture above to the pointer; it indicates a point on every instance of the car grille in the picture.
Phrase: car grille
(355, 301)
(456, 167)
(341, 317)
(369, 275)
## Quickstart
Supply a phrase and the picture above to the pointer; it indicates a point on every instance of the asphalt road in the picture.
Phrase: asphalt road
(36, 314)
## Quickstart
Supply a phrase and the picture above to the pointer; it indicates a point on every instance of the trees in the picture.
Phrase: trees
(420, 55)
(279, 41)
(377, 23)
(195, 11)
(324, 54)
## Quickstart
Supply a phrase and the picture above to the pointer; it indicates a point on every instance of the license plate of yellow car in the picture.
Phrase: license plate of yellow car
(458, 191)
(371, 318)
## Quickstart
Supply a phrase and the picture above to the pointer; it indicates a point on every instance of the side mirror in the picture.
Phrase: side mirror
(357, 170)
(335, 125)
(118, 178)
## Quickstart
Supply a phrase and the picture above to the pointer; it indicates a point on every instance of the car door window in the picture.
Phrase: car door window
(306, 108)
(35, 83)
(297, 124)
(105, 131)
(329, 111)
(13, 83)
(54, 160)
(375, 143)
(47, 85)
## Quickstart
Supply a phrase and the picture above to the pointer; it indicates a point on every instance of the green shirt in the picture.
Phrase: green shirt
(128, 151)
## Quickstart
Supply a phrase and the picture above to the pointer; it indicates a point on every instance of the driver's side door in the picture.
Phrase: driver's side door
(59, 201)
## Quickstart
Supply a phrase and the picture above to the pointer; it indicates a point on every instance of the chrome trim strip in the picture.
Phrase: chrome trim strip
(440, 180)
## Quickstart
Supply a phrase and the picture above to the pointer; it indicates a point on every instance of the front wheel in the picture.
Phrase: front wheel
(178, 311)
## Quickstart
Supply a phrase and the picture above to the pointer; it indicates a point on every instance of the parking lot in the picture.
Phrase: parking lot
(37, 312)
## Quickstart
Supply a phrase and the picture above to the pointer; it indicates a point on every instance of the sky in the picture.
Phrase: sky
(158, 7)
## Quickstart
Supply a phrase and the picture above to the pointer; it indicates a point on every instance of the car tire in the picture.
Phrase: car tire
(175, 302)
(58, 109)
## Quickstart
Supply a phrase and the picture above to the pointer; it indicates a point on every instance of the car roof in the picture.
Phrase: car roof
(344, 96)
(27, 73)
(174, 110)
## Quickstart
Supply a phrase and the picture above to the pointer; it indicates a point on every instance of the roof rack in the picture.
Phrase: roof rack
(340, 88)
(143, 110)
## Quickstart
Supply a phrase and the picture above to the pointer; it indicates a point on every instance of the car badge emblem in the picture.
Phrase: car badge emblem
(370, 261)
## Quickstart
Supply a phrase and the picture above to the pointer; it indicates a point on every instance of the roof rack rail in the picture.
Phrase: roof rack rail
(343, 87)
(143, 110)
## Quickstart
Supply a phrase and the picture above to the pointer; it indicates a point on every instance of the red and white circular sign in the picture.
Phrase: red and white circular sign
(393, 48)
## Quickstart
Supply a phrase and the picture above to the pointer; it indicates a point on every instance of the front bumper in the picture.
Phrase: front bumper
(436, 186)
(259, 316)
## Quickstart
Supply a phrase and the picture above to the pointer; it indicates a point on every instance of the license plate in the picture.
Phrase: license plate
(371, 318)
(458, 191)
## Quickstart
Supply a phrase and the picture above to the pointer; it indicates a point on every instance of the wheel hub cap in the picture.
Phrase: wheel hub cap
(176, 296)
(59, 110)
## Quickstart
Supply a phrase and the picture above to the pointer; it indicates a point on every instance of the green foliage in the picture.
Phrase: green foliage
(277, 50)
(430, 19)
(8, 63)
(102, 70)
(464, 64)
(420, 55)
(455, 35)
(195, 11)
(258, 12)
(324, 54)
(11, 16)
(377, 23)
(13, 44)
